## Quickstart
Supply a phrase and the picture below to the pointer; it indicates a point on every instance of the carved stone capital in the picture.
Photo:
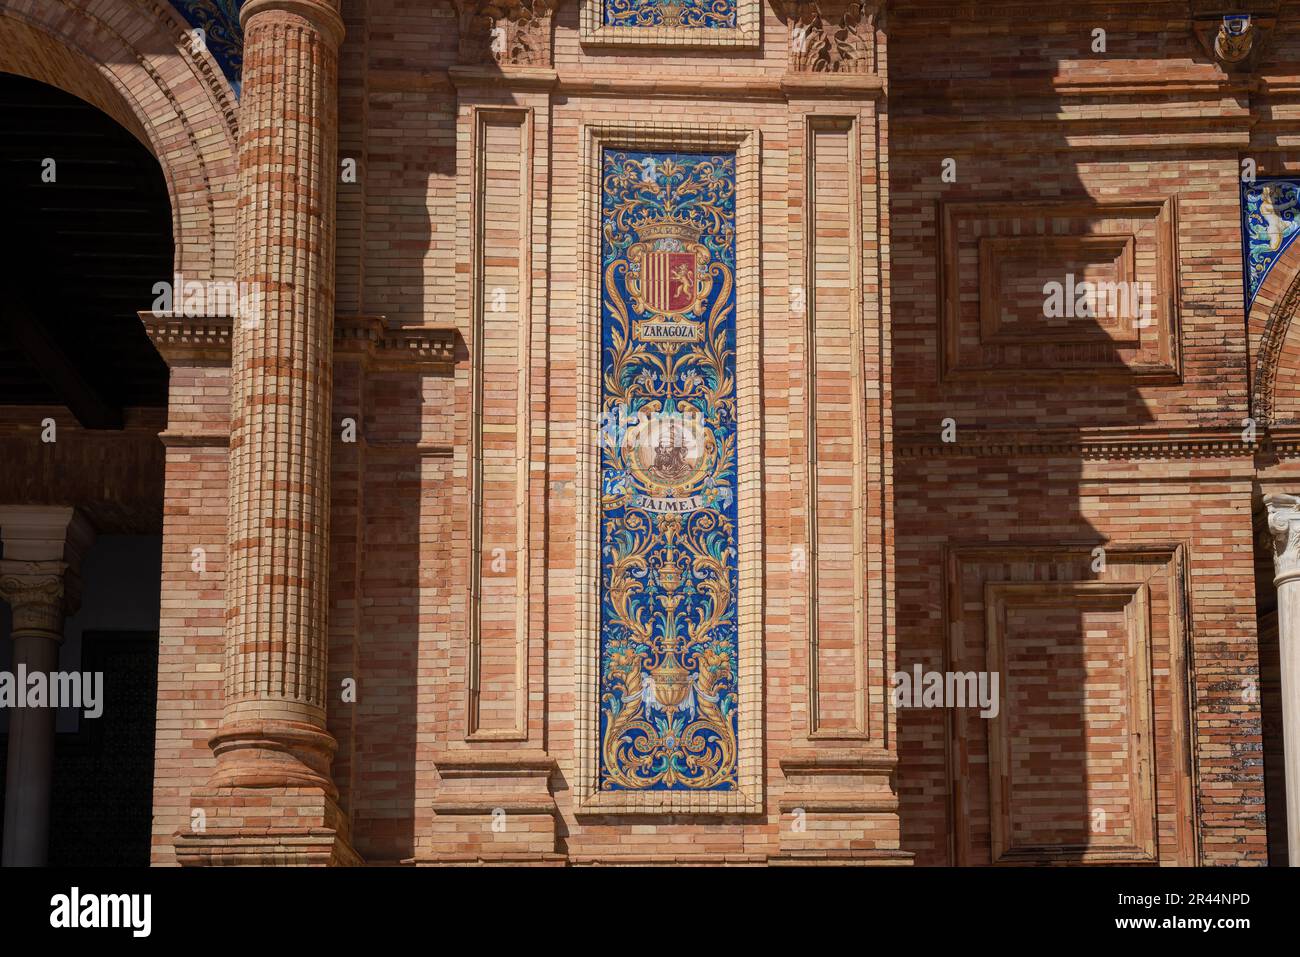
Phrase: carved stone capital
(1284, 532)
(506, 32)
(37, 595)
(831, 36)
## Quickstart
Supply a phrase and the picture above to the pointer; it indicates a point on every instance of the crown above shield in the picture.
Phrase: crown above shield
(670, 227)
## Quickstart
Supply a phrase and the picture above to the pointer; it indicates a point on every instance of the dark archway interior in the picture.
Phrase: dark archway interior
(82, 250)
(81, 256)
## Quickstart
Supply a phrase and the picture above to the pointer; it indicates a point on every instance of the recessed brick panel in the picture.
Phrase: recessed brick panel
(1086, 760)
(1112, 309)
(1069, 748)
(1014, 271)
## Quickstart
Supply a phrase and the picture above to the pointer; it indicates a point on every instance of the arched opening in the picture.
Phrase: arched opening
(88, 234)
(1275, 411)
(83, 395)
(147, 498)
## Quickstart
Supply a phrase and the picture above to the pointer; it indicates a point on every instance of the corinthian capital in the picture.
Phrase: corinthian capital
(506, 32)
(831, 36)
(36, 594)
(1284, 533)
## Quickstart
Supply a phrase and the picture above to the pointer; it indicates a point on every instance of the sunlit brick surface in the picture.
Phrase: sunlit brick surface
(442, 560)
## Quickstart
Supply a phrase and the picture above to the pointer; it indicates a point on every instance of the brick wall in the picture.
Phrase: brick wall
(1042, 460)
(1130, 441)
(1020, 110)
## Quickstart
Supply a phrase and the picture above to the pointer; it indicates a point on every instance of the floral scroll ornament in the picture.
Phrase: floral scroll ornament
(222, 35)
(831, 36)
(1270, 223)
(506, 32)
(669, 651)
(692, 14)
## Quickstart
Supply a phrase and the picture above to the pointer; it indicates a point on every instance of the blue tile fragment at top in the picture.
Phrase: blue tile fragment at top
(219, 21)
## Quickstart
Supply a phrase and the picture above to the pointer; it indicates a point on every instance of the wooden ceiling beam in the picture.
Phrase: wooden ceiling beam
(84, 401)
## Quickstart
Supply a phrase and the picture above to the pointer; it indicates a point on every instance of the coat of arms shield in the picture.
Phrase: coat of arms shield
(670, 275)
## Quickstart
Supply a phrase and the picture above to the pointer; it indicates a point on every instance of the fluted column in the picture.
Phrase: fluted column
(1284, 526)
(273, 728)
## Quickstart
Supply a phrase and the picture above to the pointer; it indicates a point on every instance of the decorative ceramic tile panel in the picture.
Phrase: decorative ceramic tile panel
(668, 504)
(219, 21)
(692, 14)
(671, 23)
(1269, 224)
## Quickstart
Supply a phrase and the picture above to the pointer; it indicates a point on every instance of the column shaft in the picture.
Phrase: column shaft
(36, 598)
(1284, 524)
(272, 731)
(1288, 613)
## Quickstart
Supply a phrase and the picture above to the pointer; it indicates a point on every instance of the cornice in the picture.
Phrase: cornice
(514, 781)
(839, 759)
(475, 763)
(857, 85)
(502, 75)
(188, 340)
(205, 340)
(385, 344)
(1280, 441)
(935, 135)
(1201, 87)
(1203, 83)
(909, 16)
(1120, 445)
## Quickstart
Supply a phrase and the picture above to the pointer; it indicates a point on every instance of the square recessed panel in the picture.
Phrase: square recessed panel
(1014, 271)
(1053, 288)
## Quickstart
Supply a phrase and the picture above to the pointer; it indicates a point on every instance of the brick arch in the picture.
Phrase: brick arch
(133, 60)
(1273, 335)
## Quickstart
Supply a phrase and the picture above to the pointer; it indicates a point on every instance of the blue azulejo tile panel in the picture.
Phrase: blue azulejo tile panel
(1269, 224)
(668, 510)
(222, 34)
(693, 14)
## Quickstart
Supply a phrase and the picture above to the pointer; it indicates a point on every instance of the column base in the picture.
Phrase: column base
(847, 858)
(265, 827)
(271, 754)
(840, 806)
(493, 807)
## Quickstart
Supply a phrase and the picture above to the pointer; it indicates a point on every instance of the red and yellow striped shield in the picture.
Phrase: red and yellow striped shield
(668, 281)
